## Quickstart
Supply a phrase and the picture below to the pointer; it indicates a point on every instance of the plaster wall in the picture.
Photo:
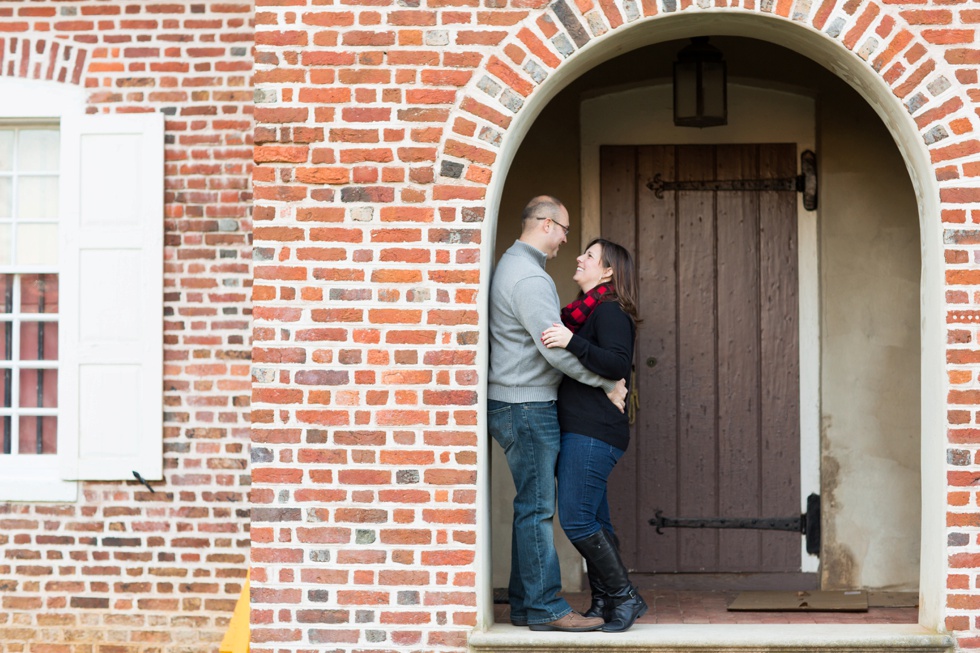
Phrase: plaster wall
(869, 237)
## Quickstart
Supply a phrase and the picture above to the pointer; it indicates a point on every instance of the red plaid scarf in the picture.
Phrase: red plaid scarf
(575, 314)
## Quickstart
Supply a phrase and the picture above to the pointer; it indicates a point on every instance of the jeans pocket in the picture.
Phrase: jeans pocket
(500, 423)
(540, 423)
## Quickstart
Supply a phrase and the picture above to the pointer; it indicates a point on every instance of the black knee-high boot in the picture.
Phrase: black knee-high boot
(600, 598)
(624, 605)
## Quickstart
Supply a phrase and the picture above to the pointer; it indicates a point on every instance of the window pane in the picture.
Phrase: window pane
(37, 197)
(5, 387)
(39, 341)
(38, 150)
(6, 437)
(38, 293)
(6, 293)
(39, 388)
(6, 230)
(28, 439)
(7, 149)
(6, 197)
(37, 244)
(6, 340)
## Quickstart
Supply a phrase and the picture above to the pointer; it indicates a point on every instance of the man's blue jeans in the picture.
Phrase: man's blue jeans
(584, 467)
(530, 436)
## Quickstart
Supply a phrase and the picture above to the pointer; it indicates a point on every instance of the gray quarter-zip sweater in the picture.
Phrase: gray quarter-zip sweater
(523, 303)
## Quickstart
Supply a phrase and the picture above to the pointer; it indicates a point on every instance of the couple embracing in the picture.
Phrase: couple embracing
(556, 396)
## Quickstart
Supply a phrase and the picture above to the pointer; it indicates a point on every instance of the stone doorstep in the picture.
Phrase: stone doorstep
(718, 638)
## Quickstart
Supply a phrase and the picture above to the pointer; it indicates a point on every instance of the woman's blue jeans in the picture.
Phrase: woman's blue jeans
(584, 466)
(530, 436)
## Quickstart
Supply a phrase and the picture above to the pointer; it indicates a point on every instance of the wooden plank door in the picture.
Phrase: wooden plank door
(717, 363)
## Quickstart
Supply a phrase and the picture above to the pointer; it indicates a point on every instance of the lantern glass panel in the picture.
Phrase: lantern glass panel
(685, 90)
(713, 77)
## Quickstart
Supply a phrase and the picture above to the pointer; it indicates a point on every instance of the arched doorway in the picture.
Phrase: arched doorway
(897, 128)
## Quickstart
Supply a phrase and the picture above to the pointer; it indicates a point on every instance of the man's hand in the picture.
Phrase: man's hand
(618, 395)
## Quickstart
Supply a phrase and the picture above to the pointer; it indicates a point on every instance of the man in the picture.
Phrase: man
(523, 385)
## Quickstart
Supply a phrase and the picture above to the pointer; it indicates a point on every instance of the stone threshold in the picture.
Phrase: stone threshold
(718, 638)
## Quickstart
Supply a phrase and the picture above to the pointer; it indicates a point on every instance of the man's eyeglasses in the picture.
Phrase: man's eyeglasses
(563, 227)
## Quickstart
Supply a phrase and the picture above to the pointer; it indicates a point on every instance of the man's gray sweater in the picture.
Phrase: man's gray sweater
(523, 303)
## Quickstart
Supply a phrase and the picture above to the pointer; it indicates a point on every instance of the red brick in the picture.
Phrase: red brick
(447, 558)
(949, 36)
(507, 75)
(324, 417)
(450, 477)
(262, 635)
(362, 597)
(960, 150)
(823, 13)
(915, 79)
(927, 16)
(322, 535)
(860, 26)
(482, 111)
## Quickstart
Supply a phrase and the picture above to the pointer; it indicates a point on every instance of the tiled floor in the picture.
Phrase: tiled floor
(687, 607)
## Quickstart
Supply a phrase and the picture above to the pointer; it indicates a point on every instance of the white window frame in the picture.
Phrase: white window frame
(37, 477)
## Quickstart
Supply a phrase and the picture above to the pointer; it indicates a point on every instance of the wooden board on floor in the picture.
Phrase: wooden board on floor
(802, 601)
(881, 599)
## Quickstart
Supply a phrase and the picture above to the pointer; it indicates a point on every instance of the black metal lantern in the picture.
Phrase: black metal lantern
(700, 86)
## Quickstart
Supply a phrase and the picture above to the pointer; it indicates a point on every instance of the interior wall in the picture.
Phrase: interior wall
(869, 235)
(869, 259)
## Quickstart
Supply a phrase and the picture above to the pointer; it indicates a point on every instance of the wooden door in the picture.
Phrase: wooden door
(717, 432)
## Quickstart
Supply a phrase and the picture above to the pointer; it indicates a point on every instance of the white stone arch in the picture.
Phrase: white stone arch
(869, 83)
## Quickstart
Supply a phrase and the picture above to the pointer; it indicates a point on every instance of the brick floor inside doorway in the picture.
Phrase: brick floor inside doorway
(704, 607)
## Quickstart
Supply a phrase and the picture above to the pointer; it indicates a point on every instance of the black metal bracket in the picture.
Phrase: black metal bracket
(805, 183)
(142, 480)
(807, 524)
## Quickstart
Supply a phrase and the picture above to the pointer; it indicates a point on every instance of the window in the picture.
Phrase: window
(81, 293)
(28, 289)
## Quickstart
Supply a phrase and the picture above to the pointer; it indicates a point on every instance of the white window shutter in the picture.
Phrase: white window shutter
(111, 286)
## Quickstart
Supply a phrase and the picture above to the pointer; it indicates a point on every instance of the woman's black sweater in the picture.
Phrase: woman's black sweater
(604, 345)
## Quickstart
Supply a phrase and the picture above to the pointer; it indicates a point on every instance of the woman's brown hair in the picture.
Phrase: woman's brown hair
(618, 258)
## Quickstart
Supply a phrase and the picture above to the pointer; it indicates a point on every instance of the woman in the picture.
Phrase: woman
(599, 328)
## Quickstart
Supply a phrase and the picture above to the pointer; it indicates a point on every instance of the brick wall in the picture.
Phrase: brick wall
(124, 568)
(380, 131)
(366, 279)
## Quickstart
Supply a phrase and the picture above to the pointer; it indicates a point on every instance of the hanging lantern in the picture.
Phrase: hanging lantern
(700, 86)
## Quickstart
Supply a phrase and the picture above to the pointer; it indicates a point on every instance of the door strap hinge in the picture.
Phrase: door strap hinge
(805, 183)
(807, 524)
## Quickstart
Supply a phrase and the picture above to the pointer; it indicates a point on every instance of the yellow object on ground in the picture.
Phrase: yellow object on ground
(236, 637)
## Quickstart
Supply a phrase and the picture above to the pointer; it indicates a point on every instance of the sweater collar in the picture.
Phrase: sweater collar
(530, 252)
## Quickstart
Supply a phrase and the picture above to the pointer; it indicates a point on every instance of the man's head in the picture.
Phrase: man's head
(544, 224)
